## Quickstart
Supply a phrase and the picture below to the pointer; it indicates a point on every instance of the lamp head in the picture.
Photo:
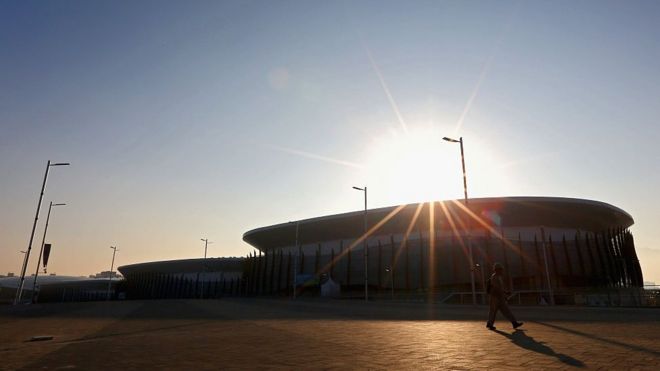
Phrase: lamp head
(451, 140)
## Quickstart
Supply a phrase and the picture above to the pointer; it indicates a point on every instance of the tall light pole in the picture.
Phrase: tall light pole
(112, 266)
(364, 243)
(469, 242)
(41, 252)
(206, 245)
(19, 290)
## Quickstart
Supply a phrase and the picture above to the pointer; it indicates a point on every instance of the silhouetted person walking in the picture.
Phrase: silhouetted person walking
(498, 297)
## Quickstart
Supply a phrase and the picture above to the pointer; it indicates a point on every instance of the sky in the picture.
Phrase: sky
(205, 119)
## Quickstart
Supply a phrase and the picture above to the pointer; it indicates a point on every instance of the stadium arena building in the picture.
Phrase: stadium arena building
(547, 245)
(185, 278)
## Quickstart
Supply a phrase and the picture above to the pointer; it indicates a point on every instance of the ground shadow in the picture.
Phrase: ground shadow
(521, 339)
(309, 308)
(604, 340)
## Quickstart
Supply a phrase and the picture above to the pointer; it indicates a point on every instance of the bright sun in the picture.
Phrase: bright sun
(414, 166)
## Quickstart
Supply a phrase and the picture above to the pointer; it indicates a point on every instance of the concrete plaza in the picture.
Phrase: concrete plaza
(314, 334)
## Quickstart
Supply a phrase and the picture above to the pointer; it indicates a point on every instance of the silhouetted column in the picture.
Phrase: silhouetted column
(263, 272)
(272, 271)
(555, 268)
(392, 261)
(538, 275)
(279, 271)
(567, 256)
(317, 260)
(380, 264)
(348, 267)
(505, 256)
(625, 257)
(596, 272)
(610, 259)
(441, 261)
(249, 278)
(611, 256)
(638, 269)
(289, 269)
(488, 255)
(523, 261)
(454, 261)
(255, 277)
(603, 262)
(580, 256)
(421, 260)
(407, 267)
(332, 263)
(620, 256)
(302, 262)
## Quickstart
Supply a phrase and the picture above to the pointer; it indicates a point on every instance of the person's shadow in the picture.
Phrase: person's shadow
(521, 339)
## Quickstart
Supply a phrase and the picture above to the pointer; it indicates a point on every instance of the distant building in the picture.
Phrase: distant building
(185, 278)
(106, 274)
(54, 288)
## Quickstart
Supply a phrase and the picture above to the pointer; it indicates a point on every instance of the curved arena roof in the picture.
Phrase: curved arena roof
(557, 212)
(185, 266)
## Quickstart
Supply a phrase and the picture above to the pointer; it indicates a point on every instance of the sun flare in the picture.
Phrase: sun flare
(414, 166)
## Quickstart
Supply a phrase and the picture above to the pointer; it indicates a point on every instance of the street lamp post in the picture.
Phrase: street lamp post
(469, 242)
(364, 243)
(112, 266)
(41, 252)
(206, 245)
(19, 290)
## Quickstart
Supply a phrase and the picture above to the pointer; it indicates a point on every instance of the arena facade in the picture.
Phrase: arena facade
(546, 244)
(184, 278)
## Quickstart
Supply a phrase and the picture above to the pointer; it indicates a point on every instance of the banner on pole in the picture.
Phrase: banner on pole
(46, 254)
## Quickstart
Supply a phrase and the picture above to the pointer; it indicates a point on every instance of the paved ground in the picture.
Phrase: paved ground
(266, 334)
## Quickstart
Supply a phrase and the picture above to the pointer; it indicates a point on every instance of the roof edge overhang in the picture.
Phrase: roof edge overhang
(478, 204)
